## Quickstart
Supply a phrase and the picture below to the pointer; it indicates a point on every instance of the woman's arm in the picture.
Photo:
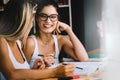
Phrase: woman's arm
(11, 73)
(28, 48)
(72, 47)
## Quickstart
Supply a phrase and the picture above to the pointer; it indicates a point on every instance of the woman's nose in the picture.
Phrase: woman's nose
(48, 20)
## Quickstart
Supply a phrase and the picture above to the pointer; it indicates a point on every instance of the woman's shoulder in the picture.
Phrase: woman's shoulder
(61, 38)
(30, 41)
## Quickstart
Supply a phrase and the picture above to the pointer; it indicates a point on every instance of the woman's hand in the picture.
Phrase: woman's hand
(49, 59)
(39, 64)
(61, 27)
(65, 70)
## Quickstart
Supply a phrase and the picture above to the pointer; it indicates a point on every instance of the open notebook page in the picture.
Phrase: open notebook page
(87, 67)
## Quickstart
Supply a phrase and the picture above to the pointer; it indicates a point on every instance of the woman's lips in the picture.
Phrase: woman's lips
(47, 26)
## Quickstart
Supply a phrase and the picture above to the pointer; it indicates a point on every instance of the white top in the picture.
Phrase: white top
(36, 51)
(15, 63)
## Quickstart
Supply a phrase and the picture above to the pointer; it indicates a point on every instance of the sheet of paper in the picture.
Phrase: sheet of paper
(87, 67)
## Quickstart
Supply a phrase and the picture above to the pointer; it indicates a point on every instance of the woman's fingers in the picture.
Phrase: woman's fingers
(39, 64)
(65, 70)
(49, 59)
(58, 27)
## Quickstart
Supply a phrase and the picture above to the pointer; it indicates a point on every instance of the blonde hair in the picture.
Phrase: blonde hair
(22, 27)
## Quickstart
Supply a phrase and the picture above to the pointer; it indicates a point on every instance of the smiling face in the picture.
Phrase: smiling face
(47, 25)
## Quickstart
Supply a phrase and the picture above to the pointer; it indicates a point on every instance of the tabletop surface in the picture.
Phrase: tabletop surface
(94, 76)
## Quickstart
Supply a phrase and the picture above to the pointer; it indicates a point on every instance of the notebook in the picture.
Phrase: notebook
(83, 68)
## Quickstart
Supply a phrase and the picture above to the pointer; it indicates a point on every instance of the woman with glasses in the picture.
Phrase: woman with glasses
(15, 24)
(47, 45)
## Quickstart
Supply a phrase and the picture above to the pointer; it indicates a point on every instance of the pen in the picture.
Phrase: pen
(75, 67)
(79, 68)
(43, 55)
(40, 55)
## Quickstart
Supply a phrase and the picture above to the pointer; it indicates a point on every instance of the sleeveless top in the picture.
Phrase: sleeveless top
(36, 52)
(15, 63)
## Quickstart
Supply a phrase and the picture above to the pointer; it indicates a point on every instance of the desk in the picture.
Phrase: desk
(94, 76)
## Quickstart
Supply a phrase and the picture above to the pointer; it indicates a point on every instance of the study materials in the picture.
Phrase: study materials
(88, 67)
(83, 68)
(64, 63)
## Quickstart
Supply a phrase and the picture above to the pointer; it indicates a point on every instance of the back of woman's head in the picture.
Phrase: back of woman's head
(15, 19)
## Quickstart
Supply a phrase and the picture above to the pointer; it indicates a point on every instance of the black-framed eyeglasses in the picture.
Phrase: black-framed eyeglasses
(52, 17)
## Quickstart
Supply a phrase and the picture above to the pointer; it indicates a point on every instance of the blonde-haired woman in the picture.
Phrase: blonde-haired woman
(15, 24)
